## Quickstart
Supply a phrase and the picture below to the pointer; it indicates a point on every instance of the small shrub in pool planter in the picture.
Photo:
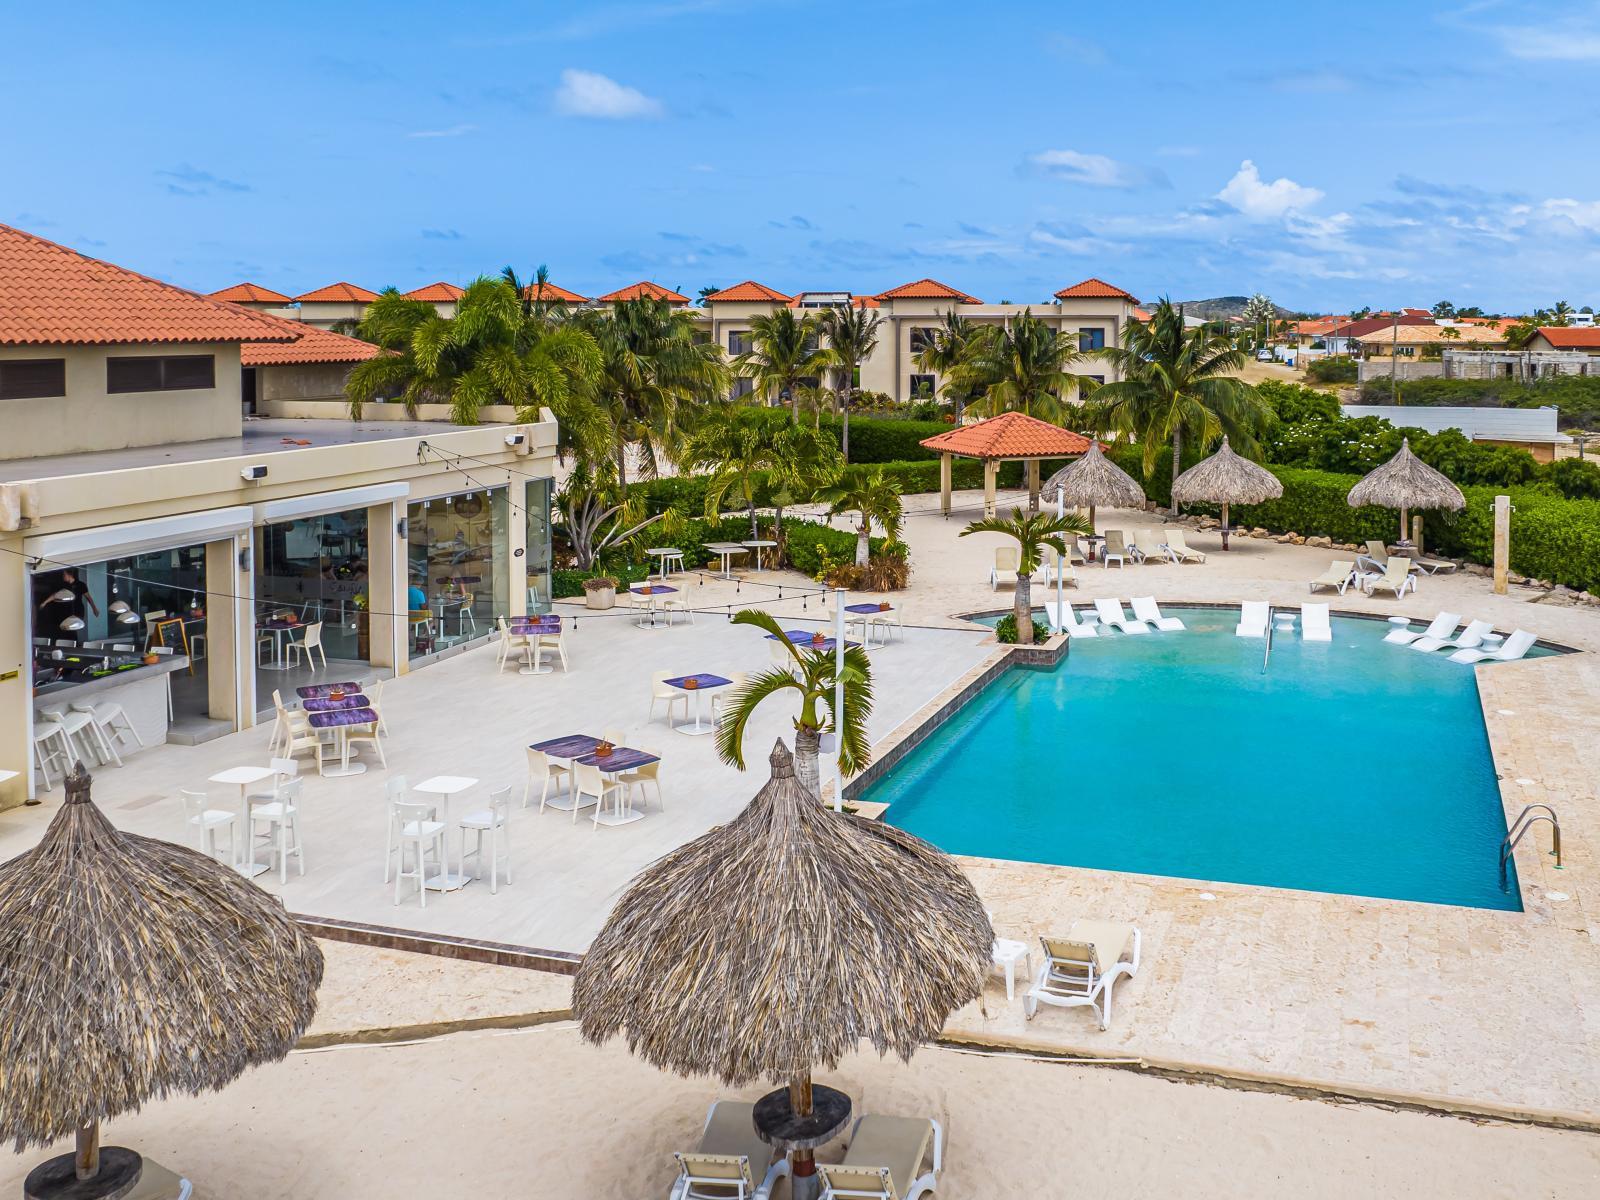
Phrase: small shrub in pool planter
(600, 592)
(1005, 631)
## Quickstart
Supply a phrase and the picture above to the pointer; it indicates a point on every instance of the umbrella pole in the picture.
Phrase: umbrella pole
(1224, 524)
(87, 1159)
(802, 1163)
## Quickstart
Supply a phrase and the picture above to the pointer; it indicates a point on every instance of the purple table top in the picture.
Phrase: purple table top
(866, 608)
(345, 716)
(318, 704)
(701, 681)
(651, 589)
(801, 638)
(550, 624)
(322, 689)
(579, 747)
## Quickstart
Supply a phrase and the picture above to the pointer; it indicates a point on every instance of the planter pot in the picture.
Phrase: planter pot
(601, 598)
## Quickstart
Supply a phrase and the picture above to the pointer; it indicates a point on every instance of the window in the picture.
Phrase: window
(922, 338)
(922, 387)
(161, 373)
(1091, 339)
(743, 385)
(1096, 378)
(24, 379)
(738, 341)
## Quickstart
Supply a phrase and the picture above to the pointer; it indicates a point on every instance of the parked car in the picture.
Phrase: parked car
(1263, 355)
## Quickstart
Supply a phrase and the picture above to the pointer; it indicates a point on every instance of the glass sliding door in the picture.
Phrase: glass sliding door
(311, 582)
(456, 566)
(537, 513)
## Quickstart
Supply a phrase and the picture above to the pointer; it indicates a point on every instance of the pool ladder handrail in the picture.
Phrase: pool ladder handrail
(1267, 657)
(1520, 827)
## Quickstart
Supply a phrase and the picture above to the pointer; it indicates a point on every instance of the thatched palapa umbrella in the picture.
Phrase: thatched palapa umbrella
(1406, 482)
(133, 968)
(779, 941)
(1226, 478)
(1091, 481)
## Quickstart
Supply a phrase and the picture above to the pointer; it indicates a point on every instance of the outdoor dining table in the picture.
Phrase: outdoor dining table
(243, 777)
(805, 639)
(727, 550)
(864, 613)
(445, 786)
(277, 628)
(531, 630)
(340, 720)
(696, 685)
(650, 591)
(573, 748)
(758, 545)
(312, 691)
(667, 557)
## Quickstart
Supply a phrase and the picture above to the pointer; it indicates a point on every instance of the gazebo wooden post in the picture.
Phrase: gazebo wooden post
(87, 1162)
(944, 484)
(990, 467)
(802, 1162)
(1033, 485)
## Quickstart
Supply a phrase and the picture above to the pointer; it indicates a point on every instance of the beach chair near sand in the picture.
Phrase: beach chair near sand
(1470, 638)
(885, 1160)
(1252, 619)
(1338, 576)
(1441, 627)
(1081, 969)
(1153, 546)
(1396, 578)
(729, 1158)
(1178, 546)
(1115, 548)
(1314, 624)
(1146, 609)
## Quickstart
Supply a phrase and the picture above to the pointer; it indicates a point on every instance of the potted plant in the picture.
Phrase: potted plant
(600, 592)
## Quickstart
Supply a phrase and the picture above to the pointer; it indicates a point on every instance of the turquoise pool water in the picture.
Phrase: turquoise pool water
(1349, 766)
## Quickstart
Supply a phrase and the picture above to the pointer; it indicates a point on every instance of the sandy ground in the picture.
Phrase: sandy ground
(537, 1113)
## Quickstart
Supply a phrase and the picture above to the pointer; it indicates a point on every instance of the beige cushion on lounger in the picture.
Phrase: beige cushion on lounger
(729, 1140)
(1110, 940)
(895, 1144)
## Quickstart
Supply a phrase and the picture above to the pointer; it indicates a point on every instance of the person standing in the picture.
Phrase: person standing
(58, 610)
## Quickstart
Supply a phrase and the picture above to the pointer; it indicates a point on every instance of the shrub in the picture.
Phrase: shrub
(882, 441)
(1577, 479)
(1005, 630)
(1336, 368)
(814, 548)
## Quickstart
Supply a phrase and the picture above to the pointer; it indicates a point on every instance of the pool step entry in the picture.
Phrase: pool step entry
(1525, 821)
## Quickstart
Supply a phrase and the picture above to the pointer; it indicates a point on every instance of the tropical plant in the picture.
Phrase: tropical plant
(953, 345)
(803, 459)
(653, 371)
(488, 353)
(1177, 384)
(865, 491)
(600, 517)
(537, 303)
(852, 333)
(784, 358)
(814, 677)
(1033, 532)
(1022, 366)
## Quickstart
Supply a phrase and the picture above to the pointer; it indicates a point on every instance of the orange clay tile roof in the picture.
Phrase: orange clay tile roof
(1140, 314)
(1095, 289)
(644, 290)
(1564, 337)
(750, 290)
(436, 293)
(248, 293)
(1010, 435)
(926, 289)
(338, 293)
(310, 345)
(52, 295)
(855, 301)
(549, 291)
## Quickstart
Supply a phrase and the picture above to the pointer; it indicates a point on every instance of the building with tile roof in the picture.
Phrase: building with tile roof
(1095, 289)
(338, 304)
(1585, 340)
(443, 296)
(747, 291)
(551, 294)
(927, 289)
(253, 295)
(1009, 437)
(302, 378)
(643, 290)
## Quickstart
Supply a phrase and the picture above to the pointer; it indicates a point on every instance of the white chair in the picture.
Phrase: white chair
(396, 791)
(1115, 550)
(495, 822)
(1007, 560)
(94, 733)
(51, 748)
(80, 732)
(588, 781)
(723, 696)
(1340, 574)
(367, 733)
(415, 825)
(1517, 645)
(1252, 619)
(1314, 623)
(511, 644)
(543, 772)
(308, 647)
(780, 656)
(293, 732)
(205, 822)
(1081, 969)
(1146, 609)
(1178, 546)
(374, 695)
(660, 693)
(113, 722)
(1439, 629)
(675, 605)
(1071, 626)
(1469, 638)
(648, 773)
(1054, 566)
(281, 816)
(1110, 613)
(557, 642)
(283, 769)
(1153, 546)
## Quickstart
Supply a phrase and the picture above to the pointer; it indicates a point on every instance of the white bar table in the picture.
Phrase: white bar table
(244, 777)
(445, 786)
(727, 550)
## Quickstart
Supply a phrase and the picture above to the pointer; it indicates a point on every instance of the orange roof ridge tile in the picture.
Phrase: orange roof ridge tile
(750, 290)
(308, 345)
(644, 289)
(1010, 435)
(252, 293)
(338, 293)
(436, 293)
(927, 289)
(1095, 289)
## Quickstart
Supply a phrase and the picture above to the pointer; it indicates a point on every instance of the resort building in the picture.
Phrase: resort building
(644, 290)
(442, 296)
(1530, 429)
(1418, 341)
(162, 554)
(336, 304)
(258, 299)
(1574, 339)
(304, 377)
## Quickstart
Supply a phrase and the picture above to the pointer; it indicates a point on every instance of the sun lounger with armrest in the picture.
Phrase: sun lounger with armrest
(885, 1160)
(1396, 578)
(1178, 545)
(1080, 969)
(730, 1157)
(1338, 576)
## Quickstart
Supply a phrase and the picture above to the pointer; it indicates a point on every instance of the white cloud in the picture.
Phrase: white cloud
(1086, 246)
(1565, 43)
(453, 131)
(1260, 200)
(1092, 170)
(1585, 214)
(590, 94)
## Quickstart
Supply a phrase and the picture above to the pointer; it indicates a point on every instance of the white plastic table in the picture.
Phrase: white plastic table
(445, 786)
(758, 546)
(244, 777)
(1007, 954)
(666, 556)
(727, 550)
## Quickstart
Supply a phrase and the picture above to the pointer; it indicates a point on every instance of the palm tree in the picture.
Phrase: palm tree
(653, 371)
(1022, 366)
(1177, 383)
(1561, 314)
(803, 459)
(813, 676)
(864, 490)
(736, 444)
(783, 355)
(536, 301)
(1033, 532)
(852, 334)
(954, 345)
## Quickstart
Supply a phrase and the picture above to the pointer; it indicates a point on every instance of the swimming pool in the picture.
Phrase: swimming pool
(1351, 766)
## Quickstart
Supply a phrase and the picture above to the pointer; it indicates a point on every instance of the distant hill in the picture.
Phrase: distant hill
(1220, 308)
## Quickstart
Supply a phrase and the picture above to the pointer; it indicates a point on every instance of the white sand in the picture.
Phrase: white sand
(537, 1114)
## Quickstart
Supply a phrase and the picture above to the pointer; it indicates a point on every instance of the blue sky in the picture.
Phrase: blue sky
(1334, 157)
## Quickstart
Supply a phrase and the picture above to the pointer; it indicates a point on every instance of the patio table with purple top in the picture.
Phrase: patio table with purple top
(531, 630)
(578, 748)
(694, 685)
(650, 591)
(313, 691)
(803, 639)
(864, 613)
(340, 721)
(324, 704)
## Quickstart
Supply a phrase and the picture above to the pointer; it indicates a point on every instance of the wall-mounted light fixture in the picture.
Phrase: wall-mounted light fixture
(254, 473)
(402, 527)
(244, 559)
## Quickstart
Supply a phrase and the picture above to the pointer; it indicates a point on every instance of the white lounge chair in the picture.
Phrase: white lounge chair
(1116, 548)
(1153, 546)
(1518, 644)
(1396, 578)
(1314, 624)
(1007, 561)
(1146, 609)
(1468, 639)
(1110, 613)
(1252, 619)
(1441, 627)
(1081, 969)
(1072, 626)
(1053, 566)
(885, 1160)
(1338, 576)
(1178, 546)
(729, 1157)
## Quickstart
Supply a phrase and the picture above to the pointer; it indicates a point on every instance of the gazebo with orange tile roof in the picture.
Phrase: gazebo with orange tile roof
(1008, 437)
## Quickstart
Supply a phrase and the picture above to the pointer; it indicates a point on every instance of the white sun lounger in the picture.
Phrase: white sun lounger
(1440, 627)
(729, 1157)
(1470, 638)
(1110, 613)
(1145, 608)
(1252, 619)
(1338, 576)
(1080, 969)
(1072, 627)
(1314, 624)
(1518, 644)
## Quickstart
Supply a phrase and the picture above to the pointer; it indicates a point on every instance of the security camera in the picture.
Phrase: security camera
(253, 472)
(516, 439)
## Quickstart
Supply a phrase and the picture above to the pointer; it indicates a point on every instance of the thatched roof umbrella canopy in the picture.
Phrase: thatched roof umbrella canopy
(1406, 482)
(780, 940)
(1226, 478)
(134, 968)
(1091, 481)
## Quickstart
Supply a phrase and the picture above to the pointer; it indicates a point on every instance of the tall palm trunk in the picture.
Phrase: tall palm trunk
(1022, 609)
(807, 767)
(1177, 455)
(846, 435)
(863, 540)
